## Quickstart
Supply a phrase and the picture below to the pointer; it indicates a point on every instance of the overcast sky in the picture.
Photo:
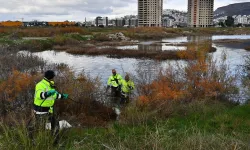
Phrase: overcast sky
(77, 10)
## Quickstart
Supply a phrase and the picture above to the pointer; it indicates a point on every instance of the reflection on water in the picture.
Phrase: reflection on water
(198, 39)
(149, 48)
(171, 44)
(176, 40)
(214, 37)
(221, 37)
(101, 66)
(132, 47)
(175, 48)
(175, 43)
(162, 47)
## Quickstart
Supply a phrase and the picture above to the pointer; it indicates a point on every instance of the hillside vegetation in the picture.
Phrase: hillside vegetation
(233, 9)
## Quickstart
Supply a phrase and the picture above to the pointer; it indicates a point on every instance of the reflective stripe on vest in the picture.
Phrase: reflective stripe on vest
(43, 86)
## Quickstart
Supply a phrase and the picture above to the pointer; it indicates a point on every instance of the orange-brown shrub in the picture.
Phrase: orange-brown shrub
(199, 79)
(16, 95)
(17, 89)
(2, 30)
(16, 84)
(66, 23)
(7, 30)
(11, 24)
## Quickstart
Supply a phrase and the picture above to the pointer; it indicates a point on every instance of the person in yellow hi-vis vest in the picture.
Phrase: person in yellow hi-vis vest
(127, 87)
(114, 82)
(44, 100)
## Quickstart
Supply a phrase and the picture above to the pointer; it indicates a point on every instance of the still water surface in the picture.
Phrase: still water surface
(101, 65)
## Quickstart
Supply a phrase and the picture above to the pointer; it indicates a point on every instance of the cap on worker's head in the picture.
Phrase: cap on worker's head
(127, 77)
(114, 72)
(49, 74)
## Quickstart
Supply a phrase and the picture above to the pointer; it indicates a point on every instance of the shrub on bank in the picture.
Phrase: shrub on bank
(87, 107)
(84, 106)
(47, 44)
(16, 95)
(199, 79)
(101, 38)
(36, 45)
(247, 48)
(128, 53)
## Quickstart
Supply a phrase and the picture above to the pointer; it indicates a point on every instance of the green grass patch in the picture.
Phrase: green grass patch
(36, 45)
(3, 35)
(78, 37)
(6, 41)
(216, 126)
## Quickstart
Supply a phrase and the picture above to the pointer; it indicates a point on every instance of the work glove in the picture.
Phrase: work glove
(65, 96)
(51, 92)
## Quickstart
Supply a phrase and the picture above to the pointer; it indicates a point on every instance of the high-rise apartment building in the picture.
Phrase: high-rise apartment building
(150, 13)
(200, 13)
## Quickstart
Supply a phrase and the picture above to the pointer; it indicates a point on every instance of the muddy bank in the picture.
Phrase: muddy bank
(139, 54)
(129, 53)
(247, 48)
(114, 43)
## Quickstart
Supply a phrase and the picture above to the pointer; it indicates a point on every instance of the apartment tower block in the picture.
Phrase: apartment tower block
(200, 13)
(150, 13)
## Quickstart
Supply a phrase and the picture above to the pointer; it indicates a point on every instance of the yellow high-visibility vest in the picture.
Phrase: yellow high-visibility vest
(127, 87)
(115, 81)
(42, 87)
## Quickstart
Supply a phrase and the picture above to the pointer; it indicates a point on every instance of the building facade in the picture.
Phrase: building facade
(98, 21)
(150, 13)
(101, 21)
(105, 21)
(200, 13)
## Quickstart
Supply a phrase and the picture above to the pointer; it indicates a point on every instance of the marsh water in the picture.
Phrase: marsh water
(101, 65)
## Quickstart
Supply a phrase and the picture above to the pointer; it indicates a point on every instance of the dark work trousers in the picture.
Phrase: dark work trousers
(39, 122)
(115, 94)
(124, 98)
